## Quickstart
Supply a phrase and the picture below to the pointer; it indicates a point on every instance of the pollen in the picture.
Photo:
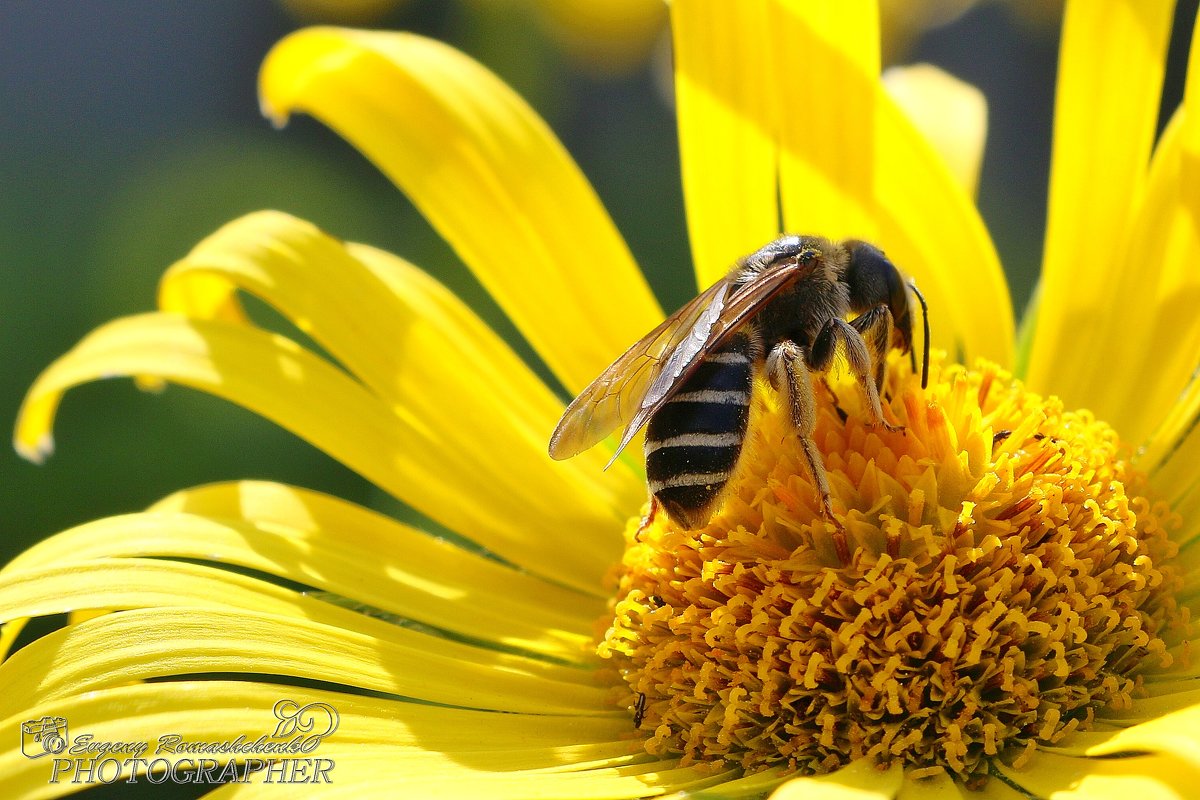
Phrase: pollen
(993, 575)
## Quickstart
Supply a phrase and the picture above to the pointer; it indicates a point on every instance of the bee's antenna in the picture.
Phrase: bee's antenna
(925, 319)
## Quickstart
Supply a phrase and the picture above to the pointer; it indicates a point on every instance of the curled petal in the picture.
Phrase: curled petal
(487, 173)
(303, 393)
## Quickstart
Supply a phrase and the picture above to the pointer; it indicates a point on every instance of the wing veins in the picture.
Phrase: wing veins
(742, 305)
(611, 398)
(651, 370)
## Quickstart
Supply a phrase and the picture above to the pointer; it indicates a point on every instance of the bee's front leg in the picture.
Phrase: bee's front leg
(788, 372)
(825, 347)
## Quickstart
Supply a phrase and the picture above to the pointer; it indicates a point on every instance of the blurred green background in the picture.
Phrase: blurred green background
(129, 129)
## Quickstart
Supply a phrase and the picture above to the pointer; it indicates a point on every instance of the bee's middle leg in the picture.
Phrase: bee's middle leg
(787, 371)
(825, 347)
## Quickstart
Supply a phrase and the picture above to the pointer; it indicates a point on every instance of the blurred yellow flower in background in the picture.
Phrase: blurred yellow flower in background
(614, 37)
(1046, 564)
(617, 36)
(342, 12)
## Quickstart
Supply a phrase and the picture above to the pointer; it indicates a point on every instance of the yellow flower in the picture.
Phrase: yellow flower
(1000, 610)
(611, 38)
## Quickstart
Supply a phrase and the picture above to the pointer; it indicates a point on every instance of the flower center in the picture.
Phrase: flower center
(995, 576)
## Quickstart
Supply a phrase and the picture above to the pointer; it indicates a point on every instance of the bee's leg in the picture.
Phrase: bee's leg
(875, 327)
(824, 349)
(788, 373)
(648, 519)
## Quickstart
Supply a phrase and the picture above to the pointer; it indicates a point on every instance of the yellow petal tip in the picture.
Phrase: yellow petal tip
(147, 383)
(39, 451)
(278, 119)
(295, 62)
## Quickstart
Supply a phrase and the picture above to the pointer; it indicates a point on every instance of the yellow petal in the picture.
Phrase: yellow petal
(1175, 684)
(9, 632)
(460, 377)
(508, 513)
(487, 173)
(363, 719)
(130, 583)
(950, 113)
(405, 336)
(747, 787)
(607, 38)
(358, 555)
(995, 789)
(1187, 505)
(935, 787)
(726, 137)
(535, 766)
(1190, 190)
(217, 711)
(931, 230)
(1067, 778)
(379, 745)
(312, 514)
(854, 164)
(1110, 73)
(1145, 709)
(857, 165)
(1176, 734)
(154, 643)
(1158, 286)
(1171, 456)
(1077, 743)
(374, 770)
(826, 70)
(860, 780)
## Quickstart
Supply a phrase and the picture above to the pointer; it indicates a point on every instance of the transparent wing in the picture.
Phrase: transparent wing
(739, 307)
(615, 397)
(638, 383)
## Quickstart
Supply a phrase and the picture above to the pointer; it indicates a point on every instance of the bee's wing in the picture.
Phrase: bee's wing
(736, 309)
(641, 381)
(616, 396)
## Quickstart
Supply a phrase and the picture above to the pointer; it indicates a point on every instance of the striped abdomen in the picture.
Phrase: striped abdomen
(693, 441)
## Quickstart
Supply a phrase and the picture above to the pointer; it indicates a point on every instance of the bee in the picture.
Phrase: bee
(780, 312)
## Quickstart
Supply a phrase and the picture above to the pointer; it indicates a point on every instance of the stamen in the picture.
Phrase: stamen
(996, 574)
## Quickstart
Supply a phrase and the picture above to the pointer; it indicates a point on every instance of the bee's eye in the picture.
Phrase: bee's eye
(808, 254)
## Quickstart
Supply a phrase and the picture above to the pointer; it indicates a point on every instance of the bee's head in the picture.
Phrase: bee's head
(873, 280)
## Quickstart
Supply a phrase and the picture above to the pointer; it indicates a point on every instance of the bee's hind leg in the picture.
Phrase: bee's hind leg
(867, 371)
(788, 372)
